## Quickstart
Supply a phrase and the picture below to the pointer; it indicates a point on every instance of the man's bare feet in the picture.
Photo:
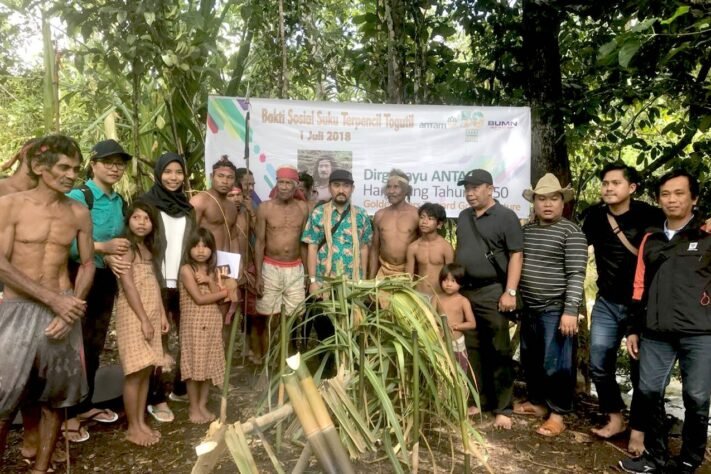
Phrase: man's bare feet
(552, 427)
(614, 426)
(473, 411)
(139, 437)
(636, 444)
(149, 431)
(59, 455)
(529, 409)
(502, 422)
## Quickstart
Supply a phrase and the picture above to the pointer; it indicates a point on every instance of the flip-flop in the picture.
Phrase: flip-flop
(161, 415)
(550, 428)
(113, 416)
(83, 437)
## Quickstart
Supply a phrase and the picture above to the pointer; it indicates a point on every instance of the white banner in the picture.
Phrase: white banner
(434, 145)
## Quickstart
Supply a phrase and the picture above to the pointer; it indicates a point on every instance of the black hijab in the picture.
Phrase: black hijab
(173, 203)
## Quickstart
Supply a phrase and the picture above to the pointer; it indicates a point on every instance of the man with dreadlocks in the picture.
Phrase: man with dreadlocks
(394, 228)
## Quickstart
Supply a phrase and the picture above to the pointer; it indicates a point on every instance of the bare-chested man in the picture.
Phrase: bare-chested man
(214, 211)
(394, 228)
(280, 256)
(39, 329)
(245, 180)
(427, 255)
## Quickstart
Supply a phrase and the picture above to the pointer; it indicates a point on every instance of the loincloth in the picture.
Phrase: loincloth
(389, 269)
(35, 367)
(283, 284)
(460, 352)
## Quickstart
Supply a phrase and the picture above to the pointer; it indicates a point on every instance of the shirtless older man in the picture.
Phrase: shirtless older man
(39, 328)
(280, 256)
(214, 211)
(394, 228)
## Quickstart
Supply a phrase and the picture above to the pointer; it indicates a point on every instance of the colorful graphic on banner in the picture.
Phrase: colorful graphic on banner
(434, 145)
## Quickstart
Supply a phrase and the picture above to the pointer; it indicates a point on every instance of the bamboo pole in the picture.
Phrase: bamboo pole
(308, 423)
(228, 366)
(323, 419)
(282, 368)
(303, 461)
(416, 402)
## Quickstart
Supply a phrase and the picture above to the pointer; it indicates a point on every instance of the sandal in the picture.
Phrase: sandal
(161, 415)
(112, 416)
(528, 409)
(550, 428)
(81, 433)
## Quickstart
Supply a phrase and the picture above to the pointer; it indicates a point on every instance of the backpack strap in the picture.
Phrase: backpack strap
(88, 196)
(621, 235)
(638, 285)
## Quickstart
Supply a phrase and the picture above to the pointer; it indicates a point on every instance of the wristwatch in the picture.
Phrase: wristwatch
(312, 279)
(511, 291)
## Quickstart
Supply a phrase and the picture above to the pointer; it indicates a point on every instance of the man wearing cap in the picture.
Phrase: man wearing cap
(555, 258)
(279, 255)
(338, 235)
(108, 161)
(394, 228)
(489, 246)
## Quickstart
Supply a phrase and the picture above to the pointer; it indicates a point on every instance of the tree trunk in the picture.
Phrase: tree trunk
(549, 154)
(284, 71)
(394, 19)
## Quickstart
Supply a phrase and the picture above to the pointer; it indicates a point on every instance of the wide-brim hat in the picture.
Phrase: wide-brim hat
(549, 184)
(107, 148)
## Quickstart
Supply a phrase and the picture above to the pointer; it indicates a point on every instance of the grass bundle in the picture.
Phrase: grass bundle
(376, 397)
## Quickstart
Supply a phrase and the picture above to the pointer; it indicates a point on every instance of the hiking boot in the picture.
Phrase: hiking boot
(643, 464)
(677, 466)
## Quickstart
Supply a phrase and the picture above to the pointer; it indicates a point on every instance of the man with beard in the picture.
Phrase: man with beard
(394, 228)
(214, 211)
(279, 255)
(322, 172)
(40, 332)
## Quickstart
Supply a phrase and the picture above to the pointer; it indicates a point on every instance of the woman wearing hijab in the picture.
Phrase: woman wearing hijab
(178, 219)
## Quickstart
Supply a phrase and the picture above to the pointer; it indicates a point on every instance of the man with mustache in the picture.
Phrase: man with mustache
(322, 171)
(40, 331)
(394, 228)
(338, 235)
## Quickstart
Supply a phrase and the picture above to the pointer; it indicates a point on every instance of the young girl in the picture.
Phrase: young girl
(202, 356)
(140, 319)
(460, 316)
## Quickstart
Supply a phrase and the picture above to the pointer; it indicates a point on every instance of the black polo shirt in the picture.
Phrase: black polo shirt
(500, 227)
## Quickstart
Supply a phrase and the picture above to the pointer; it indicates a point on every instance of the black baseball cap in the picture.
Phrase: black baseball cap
(476, 177)
(340, 175)
(108, 148)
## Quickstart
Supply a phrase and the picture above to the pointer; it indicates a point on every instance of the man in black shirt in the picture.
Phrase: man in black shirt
(489, 227)
(615, 255)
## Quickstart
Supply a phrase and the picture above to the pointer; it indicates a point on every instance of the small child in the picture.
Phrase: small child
(460, 316)
(140, 319)
(427, 255)
(202, 355)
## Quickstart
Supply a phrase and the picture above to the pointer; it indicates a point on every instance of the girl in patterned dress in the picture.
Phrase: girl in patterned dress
(140, 319)
(202, 356)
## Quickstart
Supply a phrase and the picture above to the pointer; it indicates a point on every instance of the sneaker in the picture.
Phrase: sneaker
(178, 398)
(642, 464)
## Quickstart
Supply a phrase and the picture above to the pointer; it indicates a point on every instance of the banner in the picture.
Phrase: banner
(434, 145)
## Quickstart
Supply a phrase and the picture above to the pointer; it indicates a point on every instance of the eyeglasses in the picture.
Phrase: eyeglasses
(118, 165)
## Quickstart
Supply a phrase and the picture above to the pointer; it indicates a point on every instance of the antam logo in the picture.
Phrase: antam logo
(502, 123)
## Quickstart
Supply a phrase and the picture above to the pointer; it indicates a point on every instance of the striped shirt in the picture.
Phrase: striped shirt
(554, 261)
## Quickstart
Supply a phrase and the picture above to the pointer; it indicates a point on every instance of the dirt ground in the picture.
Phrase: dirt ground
(520, 450)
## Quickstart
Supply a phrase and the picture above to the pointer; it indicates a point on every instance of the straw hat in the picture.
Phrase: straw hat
(549, 184)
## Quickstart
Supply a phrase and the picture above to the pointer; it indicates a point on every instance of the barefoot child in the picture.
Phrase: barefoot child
(140, 319)
(202, 356)
(460, 316)
(427, 255)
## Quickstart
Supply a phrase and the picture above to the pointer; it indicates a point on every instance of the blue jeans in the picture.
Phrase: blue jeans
(548, 360)
(609, 321)
(657, 359)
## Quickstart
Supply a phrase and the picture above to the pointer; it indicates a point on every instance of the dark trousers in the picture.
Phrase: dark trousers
(609, 321)
(657, 358)
(489, 350)
(548, 359)
(156, 390)
(95, 327)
